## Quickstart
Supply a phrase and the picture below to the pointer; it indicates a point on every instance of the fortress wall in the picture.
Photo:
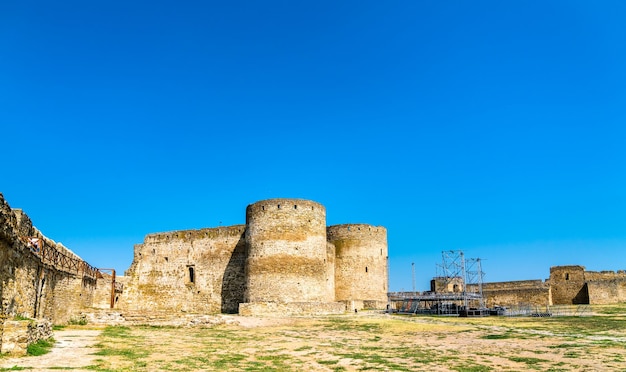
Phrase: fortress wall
(608, 291)
(539, 295)
(568, 285)
(528, 292)
(517, 284)
(72, 294)
(102, 291)
(606, 287)
(30, 287)
(605, 275)
(361, 262)
(190, 271)
(287, 252)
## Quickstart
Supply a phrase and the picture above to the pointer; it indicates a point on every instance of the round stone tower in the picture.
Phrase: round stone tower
(360, 263)
(288, 257)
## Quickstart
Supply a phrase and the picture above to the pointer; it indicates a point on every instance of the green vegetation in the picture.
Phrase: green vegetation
(78, 321)
(500, 336)
(40, 347)
(527, 360)
(20, 317)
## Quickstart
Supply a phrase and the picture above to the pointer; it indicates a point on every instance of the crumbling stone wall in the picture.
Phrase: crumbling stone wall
(199, 271)
(30, 286)
(606, 287)
(527, 292)
(16, 335)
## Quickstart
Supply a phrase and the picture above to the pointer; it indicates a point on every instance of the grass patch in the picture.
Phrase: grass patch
(20, 317)
(500, 336)
(345, 324)
(566, 346)
(303, 348)
(472, 368)
(117, 332)
(78, 321)
(126, 353)
(40, 347)
(529, 361)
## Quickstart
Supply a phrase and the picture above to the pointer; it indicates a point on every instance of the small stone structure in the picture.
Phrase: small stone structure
(16, 335)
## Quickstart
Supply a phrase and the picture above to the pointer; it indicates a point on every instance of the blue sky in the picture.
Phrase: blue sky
(497, 128)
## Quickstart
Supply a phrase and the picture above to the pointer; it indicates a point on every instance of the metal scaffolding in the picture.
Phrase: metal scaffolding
(456, 290)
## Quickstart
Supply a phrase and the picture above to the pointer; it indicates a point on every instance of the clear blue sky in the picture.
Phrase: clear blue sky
(495, 127)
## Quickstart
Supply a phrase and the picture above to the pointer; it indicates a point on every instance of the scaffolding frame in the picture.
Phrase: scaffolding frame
(455, 273)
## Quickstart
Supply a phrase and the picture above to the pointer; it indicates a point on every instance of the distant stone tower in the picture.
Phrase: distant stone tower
(360, 263)
(568, 285)
(288, 257)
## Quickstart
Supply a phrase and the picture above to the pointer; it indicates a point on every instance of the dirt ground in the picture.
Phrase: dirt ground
(368, 341)
(73, 348)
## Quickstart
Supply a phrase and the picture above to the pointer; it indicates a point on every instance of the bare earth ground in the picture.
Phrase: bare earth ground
(73, 348)
(367, 341)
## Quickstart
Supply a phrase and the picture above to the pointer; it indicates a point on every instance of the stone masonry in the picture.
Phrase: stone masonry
(285, 259)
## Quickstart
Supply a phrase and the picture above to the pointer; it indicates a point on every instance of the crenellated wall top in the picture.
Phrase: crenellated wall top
(189, 235)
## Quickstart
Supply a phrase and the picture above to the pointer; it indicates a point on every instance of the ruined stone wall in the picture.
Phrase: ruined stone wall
(517, 284)
(199, 271)
(287, 252)
(607, 291)
(102, 291)
(539, 296)
(15, 336)
(20, 270)
(606, 287)
(31, 286)
(361, 262)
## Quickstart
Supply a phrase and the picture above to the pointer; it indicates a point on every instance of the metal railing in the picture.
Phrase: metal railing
(50, 255)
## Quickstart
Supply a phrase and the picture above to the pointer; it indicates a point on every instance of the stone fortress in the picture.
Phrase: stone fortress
(284, 259)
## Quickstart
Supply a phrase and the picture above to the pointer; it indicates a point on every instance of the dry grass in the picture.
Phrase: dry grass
(363, 341)
(374, 342)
